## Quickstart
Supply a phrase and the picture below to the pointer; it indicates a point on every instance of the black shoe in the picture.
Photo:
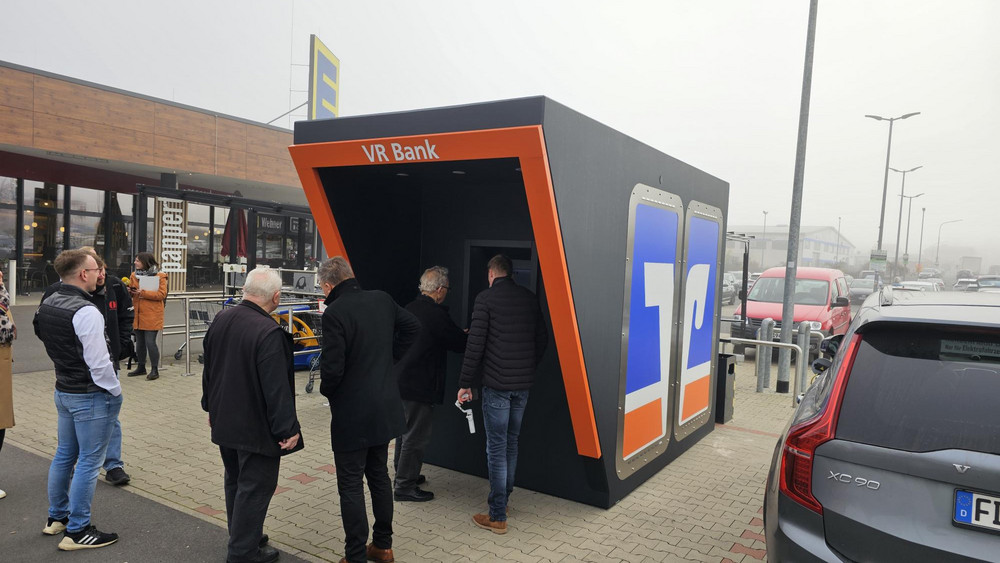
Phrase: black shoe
(421, 480)
(141, 370)
(415, 495)
(263, 540)
(53, 526)
(87, 538)
(265, 555)
(154, 374)
(117, 477)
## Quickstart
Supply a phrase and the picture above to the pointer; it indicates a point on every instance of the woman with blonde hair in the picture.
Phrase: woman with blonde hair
(8, 332)
(148, 306)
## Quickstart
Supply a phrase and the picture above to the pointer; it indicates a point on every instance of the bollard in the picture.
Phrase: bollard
(765, 332)
(802, 363)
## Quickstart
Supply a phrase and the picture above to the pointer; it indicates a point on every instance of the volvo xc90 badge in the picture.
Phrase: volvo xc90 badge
(961, 468)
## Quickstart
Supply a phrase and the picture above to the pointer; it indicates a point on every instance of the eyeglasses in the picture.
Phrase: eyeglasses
(92, 269)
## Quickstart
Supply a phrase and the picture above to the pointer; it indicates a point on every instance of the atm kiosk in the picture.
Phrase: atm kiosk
(622, 244)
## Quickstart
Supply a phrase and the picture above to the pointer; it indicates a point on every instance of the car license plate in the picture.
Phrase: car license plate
(977, 509)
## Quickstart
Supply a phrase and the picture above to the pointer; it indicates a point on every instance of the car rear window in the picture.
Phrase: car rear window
(924, 389)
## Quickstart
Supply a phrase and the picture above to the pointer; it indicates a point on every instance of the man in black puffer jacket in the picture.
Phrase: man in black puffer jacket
(507, 338)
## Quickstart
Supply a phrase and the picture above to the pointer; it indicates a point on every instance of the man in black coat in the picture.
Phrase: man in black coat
(112, 299)
(421, 380)
(507, 338)
(248, 390)
(363, 333)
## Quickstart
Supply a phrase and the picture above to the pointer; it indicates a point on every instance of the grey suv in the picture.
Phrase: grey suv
(894, 452)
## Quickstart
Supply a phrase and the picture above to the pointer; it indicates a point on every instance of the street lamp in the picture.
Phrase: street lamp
(937, 253)
(909, 212)
(763, 242)
(920, 253)
(885, 182)
(899, 225)
(836, 259)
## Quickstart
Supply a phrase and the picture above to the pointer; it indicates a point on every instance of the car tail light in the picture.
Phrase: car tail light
(803, 438)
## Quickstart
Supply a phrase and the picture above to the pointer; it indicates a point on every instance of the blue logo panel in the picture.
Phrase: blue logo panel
(700, 285)
(650, 327)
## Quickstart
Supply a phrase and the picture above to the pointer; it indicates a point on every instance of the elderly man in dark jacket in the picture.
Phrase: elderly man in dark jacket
(363, 332)
(248, 390)
(114, 302)
(421, 380)
(507, 338)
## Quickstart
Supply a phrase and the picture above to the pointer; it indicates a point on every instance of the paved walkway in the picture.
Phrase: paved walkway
(705, 506)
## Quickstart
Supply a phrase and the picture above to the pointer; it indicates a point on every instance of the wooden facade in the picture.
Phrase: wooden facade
(52, 114)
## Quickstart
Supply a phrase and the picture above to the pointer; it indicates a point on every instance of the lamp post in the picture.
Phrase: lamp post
(836, 259)
(909, 212)
(885, 181)
(937, 253)
(920, 253)
(763, 242)
(899, 225)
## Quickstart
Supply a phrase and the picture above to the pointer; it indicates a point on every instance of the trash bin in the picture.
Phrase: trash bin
(725, 383)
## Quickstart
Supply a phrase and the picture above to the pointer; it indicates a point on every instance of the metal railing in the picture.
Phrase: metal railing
(764, 344)
(199, 333)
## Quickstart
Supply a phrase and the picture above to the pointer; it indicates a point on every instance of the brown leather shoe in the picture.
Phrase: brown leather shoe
(378, 554)
(485, 522)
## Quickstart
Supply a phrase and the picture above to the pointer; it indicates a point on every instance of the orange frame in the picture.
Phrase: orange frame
(528, 145)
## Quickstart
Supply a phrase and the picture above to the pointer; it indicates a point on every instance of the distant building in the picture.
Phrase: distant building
(818, 246)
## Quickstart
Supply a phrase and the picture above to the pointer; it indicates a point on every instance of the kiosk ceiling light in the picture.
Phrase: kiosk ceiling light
(402, 174)
(458, 172)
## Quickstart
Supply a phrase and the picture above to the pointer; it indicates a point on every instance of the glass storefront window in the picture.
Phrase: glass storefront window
(8, 190)
(272, 241)
(8, 236)
(199, 258)
(43, 195)
(119, 252)
(43, 240)
(83, 232)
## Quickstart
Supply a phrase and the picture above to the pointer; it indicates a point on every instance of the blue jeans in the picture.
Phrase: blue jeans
(113, 458)
(86, 421)
(502, 415)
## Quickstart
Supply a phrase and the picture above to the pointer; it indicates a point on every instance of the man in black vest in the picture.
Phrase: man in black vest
(88, 398)
(112, 298)
(249, 392)
(363, 333)
(507, 338)
(421, 380)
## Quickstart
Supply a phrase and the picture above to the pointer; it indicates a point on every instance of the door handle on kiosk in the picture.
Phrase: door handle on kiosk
(468, 417)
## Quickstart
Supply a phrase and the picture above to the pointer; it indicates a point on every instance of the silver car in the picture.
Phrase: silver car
(893, 453)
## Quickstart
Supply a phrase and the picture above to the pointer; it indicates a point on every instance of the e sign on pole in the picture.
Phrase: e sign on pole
(324, 81)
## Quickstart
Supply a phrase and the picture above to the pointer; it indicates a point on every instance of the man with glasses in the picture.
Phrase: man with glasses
(88, 398)
(421, 380)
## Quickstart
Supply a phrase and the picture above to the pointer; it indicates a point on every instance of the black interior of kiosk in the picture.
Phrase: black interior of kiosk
(396, 220)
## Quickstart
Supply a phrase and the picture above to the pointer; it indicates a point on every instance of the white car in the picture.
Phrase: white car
(919, 286)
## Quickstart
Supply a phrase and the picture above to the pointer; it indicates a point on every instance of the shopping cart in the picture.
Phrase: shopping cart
(307, 330)
(201, 315)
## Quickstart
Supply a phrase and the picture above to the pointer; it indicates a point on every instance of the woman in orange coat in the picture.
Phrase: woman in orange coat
(148, 306)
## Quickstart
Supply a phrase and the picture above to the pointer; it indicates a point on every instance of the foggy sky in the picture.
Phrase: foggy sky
(715, 83)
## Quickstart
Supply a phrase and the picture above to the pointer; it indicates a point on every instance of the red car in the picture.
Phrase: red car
(822, 298)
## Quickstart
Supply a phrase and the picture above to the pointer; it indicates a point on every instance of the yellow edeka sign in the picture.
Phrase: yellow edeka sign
(324, 81)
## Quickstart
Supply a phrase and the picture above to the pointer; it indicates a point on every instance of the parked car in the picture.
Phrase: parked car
(936, 281)
(921, 285)
(893, 453)
(861, 288)
(966, 284)
(821, 299)
(989, 283)
(729, 288)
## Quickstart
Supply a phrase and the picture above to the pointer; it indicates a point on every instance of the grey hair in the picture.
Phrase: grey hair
(434, 278)
(334, 271)
(262, 283)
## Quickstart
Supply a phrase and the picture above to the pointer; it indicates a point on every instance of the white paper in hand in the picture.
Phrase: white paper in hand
(149, 283)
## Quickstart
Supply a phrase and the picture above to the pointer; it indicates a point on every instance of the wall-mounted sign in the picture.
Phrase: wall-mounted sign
(171, 245)
(270, 223)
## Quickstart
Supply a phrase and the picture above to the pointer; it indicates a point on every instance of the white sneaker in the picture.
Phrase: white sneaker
(2, 493)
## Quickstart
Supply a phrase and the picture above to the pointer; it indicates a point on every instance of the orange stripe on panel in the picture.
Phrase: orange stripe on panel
(695, 397)
(528, 145)
(642, 426)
